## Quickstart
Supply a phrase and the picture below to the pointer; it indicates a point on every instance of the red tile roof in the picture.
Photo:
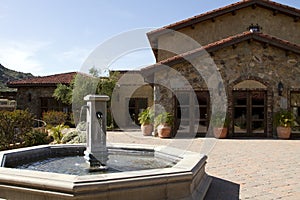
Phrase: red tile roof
(224, 10)
(266, 39)
(51, 80)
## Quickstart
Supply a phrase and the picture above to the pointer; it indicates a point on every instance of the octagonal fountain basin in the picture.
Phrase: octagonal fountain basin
(134, 172)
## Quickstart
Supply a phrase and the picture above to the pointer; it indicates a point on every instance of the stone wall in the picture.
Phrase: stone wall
(279, 25)
(30, 98)
(245, 61)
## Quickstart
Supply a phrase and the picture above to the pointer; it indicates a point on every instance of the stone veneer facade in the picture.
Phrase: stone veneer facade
(259, 62)
(31, 98)
(245, 61)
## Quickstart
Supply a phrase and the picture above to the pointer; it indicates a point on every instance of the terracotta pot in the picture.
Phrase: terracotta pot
(147, 129)
(220, 132)
(164, 131)
(283, 132)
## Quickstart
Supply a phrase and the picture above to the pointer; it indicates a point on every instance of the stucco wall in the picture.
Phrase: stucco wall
(130, 85)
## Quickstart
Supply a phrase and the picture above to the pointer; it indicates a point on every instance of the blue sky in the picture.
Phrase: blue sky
(46, 37)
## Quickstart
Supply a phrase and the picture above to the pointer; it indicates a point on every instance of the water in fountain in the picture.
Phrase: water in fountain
(118, 162)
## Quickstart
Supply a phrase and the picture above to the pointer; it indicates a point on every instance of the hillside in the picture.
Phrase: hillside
(7, 75)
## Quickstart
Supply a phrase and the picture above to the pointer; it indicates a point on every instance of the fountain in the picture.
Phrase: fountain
(183, 177)
(96, 152)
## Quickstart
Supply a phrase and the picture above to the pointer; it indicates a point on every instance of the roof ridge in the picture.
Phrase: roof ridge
(226, 9)
(54, 79)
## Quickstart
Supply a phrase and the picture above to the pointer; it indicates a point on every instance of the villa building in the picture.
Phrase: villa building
(255, 47)
(36, 94)
(249, 50)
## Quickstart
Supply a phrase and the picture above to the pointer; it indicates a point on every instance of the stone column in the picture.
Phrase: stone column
(96, 153)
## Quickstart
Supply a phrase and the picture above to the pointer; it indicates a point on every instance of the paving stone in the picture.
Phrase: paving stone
(242, 169)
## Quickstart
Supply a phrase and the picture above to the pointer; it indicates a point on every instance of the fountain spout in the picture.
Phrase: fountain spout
(96, 153)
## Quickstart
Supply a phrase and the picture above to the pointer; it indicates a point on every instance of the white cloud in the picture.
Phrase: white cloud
(76, 55)
(22, 55)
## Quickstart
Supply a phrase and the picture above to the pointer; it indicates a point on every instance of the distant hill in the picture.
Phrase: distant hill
(7, 75)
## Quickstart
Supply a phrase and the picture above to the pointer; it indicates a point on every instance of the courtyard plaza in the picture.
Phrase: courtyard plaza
(240, 168)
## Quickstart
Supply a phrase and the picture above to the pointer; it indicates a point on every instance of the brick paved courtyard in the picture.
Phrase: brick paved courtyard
(241, 168)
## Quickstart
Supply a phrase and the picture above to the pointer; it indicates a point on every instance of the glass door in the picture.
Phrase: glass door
(202, 112)
(258, 110)
(240, 113)
(192, 112)
(249, 113)
(295, 108)
(183, 112)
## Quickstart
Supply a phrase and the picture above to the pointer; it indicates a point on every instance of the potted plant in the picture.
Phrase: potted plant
(146, 120)
(284, 120)
(220, 125)
(163, 123)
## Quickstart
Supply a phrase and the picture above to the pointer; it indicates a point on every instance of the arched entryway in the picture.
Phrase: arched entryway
(249, 109)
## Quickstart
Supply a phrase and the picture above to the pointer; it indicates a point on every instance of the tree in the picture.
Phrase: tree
(106, 85)
(63, 93)
(84, 84)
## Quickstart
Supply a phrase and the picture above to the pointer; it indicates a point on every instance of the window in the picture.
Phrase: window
(295, 108)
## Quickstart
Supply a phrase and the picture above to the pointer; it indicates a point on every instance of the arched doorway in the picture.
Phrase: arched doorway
(249, 109)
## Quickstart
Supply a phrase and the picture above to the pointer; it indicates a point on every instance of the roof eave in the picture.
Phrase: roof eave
(32, 85)
(214, 47)
(221, 11)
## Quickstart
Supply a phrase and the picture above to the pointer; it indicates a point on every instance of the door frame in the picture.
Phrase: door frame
(249, 113)
(192, 107)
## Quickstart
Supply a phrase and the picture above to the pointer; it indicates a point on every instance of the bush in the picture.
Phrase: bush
(284, 118)
(54, 118)
(13, 126)
(57, 134)
(37, 136)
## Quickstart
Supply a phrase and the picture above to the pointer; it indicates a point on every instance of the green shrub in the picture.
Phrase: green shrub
(164, 118)
(56, 133)
(284, 118)
(70, 120)
(37, 136)
(146, 117)
(13, 126)
(55, 118)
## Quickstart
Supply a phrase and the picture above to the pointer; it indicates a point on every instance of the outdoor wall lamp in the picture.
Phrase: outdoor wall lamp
(280, 88)
(254, 28)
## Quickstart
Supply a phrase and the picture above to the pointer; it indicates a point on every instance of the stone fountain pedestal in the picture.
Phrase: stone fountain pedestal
(96, 153)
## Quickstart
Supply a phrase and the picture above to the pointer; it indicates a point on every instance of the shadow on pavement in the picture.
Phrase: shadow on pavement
(222, 190)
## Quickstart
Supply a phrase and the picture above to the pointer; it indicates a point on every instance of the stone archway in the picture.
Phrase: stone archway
(249, 84)
(250, 112)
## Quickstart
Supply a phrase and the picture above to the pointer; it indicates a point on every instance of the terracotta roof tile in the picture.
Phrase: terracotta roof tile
(228, 42)
(51, 80)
